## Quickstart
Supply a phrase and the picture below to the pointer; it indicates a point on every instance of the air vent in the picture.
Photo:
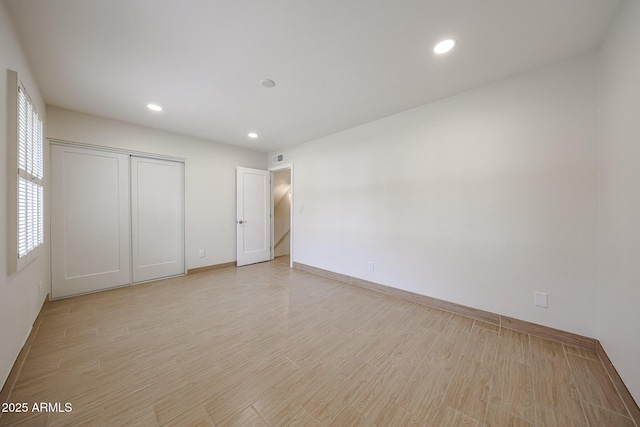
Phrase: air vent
(277, 158)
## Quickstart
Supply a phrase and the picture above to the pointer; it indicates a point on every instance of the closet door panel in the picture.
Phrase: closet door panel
(90, 220)
(157, 201)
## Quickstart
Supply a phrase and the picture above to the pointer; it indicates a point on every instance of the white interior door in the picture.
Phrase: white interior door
(90, 247)
(157, 222)
(253, 222)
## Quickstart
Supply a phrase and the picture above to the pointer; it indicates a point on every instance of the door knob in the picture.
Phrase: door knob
(241, 222)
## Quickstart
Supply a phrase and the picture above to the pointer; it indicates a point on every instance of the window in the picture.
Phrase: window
(30, 174)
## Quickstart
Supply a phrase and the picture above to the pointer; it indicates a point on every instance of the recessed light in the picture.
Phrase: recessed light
(444, 46)
(267, 83)
(252, 135)
(154, 107)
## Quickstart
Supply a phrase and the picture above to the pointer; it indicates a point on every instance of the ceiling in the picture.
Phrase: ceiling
(336, 63)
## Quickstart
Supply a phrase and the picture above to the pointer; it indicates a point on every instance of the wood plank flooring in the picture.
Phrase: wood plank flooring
(264, 345)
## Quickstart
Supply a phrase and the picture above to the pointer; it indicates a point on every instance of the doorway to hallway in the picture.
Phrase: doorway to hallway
(282, 217)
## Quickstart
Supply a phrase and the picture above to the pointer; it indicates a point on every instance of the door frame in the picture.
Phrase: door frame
(273, 169)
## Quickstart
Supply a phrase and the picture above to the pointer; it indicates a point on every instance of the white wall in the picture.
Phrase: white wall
(21, 295)
(210, 179)
(619, 255)
(479, 199)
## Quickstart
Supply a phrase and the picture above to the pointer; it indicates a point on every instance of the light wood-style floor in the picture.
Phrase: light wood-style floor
(266, 345)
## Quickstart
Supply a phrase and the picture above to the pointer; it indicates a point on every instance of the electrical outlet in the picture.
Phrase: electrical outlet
(40, 286)
(541, 299)
(370, 266)
(201, 253)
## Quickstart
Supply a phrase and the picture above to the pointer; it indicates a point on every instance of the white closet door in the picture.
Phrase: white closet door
(157, 209)
(89, 220)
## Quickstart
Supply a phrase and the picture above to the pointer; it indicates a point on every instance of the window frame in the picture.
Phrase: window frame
(26, 234)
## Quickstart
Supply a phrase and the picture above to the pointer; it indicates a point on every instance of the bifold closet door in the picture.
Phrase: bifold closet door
(157, 218)
(90, 235)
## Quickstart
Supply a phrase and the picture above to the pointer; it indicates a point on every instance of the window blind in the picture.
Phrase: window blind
(30, 174)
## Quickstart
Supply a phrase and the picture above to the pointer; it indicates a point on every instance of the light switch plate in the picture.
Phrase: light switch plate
(540, 299)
